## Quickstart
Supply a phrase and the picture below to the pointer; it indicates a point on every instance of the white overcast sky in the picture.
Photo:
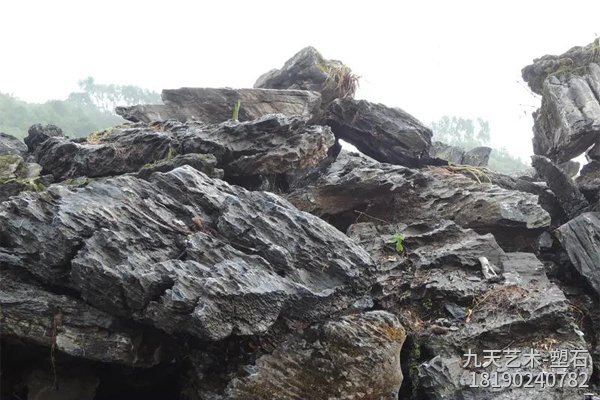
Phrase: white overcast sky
(430, 58)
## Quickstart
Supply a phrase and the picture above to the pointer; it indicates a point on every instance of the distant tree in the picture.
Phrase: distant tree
(80, 114)
(466, 133)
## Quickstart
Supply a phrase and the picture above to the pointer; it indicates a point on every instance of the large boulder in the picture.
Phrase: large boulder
(355, 356)
(215, 105)
(273, 144)
(568, 122)
(308, 70)
(38, 134)
(355, 185)
(386, 134)
(185, 253)
(10, 145)
(588, 181)
(580, 238)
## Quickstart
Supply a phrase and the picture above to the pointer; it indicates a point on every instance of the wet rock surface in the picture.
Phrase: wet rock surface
(190, 256)
(210, 105)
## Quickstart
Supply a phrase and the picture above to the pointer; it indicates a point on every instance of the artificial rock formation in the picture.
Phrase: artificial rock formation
(177, 257)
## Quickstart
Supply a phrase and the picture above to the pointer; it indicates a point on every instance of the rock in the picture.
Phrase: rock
(68, 384)
(202, 162)
(308, 70)
(38, 134)
(356, 356)
(10, 145)
(385, 134)
(568, 195)
(568, 122)
(11, 166)
(185, 253)
(390, 193)
(580, 238)
(214, 106)
(478, 156)
(12, 187)
(434, 276)
(570, 168)
(31, 313)
(588, 181)
(269, 145)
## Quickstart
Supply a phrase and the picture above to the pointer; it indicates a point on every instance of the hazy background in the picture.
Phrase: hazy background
(431, 58)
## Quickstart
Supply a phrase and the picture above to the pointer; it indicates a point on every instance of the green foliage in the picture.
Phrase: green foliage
(466, 133)
(236, 111)
(81, 113)
(398, 241)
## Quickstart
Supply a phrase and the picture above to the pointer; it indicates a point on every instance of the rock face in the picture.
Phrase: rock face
(193, 248)
(10, 145)
(570, 198)
(308, 70)
(355, 184)
(357, 356)
(272, 144)
(478, 157)
(149, 260)
(385, 134)
(214, 106)
(580, 237)
(568, 122)
(442, 298)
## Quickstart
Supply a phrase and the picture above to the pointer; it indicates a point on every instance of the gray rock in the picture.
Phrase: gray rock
(568, 195)
(211, 105)
(38, 134)
(10, 145)
(185, 253)
(356, 356)
(31, 313)
(202, 162)
(272, 144)
(580, 237)
(570, 168)
(436, 274)
(308, 70)
(588, 181)
(393, 193)
(568, 122)
(386, 134)
(477, 156)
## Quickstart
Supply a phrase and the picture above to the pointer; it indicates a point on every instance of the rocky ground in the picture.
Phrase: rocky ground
(223, 245)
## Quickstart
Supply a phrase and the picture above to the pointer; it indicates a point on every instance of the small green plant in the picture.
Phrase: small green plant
(236, 111)
(398, 241)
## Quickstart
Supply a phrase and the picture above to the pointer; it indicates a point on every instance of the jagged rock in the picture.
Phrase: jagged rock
(308, 70)
(272, 144)
(184, 253)
(38, 134)
(570, 168)
(568, 195)
(356, 356)
(212, 105)
(588, 181)
(580, 237)
(478, 156)
(10, 145)
(31, 313)
(397, 194)
(16, 176)
(568, 122)
(385, 134)
(202, 162)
